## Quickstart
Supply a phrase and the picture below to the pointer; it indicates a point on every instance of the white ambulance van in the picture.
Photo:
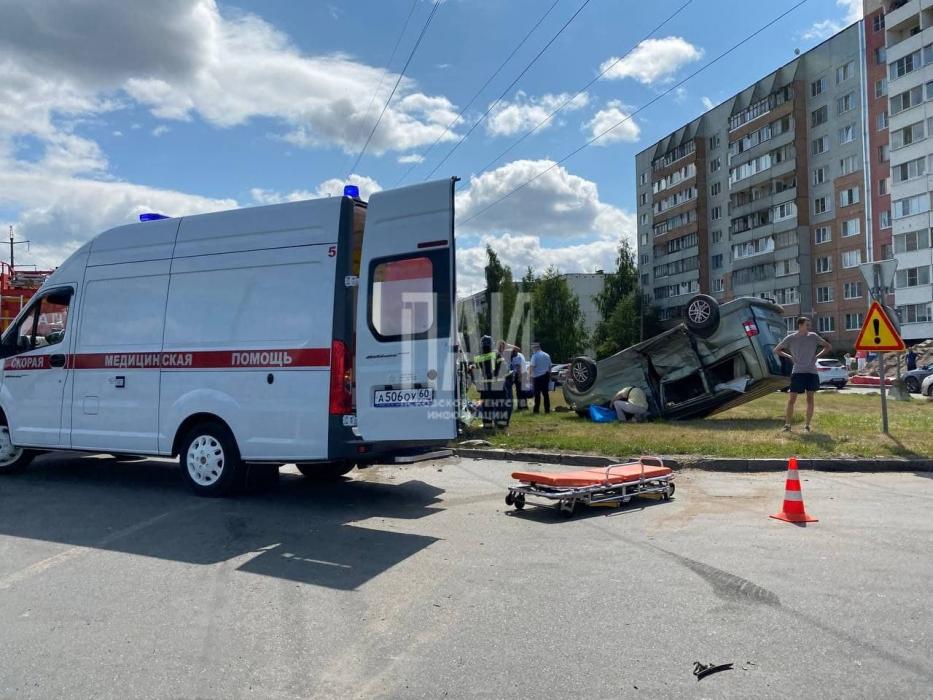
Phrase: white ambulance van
(320, 333)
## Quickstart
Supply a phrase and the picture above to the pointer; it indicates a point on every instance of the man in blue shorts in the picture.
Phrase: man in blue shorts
(802, 347)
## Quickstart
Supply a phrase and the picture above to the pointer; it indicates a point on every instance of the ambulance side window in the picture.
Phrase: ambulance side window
(53, 318)
(402, 302)
(23, 338)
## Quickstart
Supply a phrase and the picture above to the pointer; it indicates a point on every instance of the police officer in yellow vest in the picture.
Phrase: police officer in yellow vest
(492, 373)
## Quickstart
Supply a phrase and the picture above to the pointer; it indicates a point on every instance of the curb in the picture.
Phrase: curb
(724, 464)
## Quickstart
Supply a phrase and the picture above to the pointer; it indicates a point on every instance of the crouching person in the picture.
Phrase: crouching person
(630, 404)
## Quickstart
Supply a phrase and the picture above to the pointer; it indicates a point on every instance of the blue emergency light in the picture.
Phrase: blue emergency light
(351, 191)
(151, 216)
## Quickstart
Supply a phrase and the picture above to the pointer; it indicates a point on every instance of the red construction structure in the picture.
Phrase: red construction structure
(16, 289)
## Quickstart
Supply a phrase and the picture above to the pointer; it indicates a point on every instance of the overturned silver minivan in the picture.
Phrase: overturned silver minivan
(720, 356)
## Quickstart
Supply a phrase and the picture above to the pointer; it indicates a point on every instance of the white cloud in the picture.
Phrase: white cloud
(707, 102)
(329, 188)
(524, 112)
(410, 158)
(827, 27)
(559, 219)
(160, 129)
(607, 118)
(654, 60)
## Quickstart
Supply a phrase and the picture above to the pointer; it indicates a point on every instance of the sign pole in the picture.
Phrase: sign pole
(884, 397)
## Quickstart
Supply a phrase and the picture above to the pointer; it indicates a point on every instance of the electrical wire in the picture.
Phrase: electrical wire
(498, 70)
(507, 89)
(584, 88)
(650, 102)
(385, 72)
(401, 75)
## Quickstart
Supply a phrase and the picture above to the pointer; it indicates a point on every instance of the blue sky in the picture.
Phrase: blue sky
(109, 108)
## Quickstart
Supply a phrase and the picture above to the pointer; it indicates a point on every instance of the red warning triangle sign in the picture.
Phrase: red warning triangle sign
(878, 332)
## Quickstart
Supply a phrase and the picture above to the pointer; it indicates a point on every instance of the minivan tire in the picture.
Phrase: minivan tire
(913, 385)
(210, 460)
(701, 315)
(12, 460)
(325, 471)
(583, 373)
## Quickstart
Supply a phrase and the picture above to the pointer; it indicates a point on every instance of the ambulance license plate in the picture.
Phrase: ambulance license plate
(389, 398)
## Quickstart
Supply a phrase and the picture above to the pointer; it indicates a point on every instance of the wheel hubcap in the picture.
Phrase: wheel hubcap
(580, 373)
(699, 312)
(205, 460)
(8, 452)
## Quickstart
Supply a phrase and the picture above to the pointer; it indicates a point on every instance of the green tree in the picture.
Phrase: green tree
(556, 317)
(619, 283)
(499, 281)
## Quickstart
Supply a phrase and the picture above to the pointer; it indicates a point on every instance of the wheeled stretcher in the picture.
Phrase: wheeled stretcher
(615, 484)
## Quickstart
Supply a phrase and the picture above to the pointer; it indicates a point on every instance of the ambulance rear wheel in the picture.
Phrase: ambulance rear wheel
(12, 459)
(210, 460)
(325, 471)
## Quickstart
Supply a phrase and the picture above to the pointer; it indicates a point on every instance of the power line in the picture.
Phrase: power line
(507, 89)
(630, 116)
(584, 88)
(385, 71)
(401, 75)
(478, 92)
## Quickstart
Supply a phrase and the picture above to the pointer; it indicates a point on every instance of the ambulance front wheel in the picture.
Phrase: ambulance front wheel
(12, 459)
(325, 471)
(210, 460)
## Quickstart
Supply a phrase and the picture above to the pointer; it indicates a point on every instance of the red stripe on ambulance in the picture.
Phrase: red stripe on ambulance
(207, 359)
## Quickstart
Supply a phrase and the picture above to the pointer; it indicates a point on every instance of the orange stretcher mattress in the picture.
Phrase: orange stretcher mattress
(616, 474)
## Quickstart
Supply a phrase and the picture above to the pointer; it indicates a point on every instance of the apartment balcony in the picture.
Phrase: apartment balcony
(763, 202)
(899, 19)
(921, 294)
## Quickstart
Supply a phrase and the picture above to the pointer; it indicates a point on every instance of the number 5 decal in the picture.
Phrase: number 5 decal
(332, 251)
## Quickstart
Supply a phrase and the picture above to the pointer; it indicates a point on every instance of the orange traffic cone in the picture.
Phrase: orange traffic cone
(793, 510)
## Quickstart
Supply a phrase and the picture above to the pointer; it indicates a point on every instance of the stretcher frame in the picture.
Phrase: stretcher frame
(566, 498)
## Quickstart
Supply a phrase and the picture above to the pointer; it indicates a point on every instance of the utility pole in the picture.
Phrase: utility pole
(13, 244)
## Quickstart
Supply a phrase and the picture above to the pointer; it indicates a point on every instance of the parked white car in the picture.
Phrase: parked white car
(832, 372)
(926, 389)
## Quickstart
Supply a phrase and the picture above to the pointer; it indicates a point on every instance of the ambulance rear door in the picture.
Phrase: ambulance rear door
(405, 360)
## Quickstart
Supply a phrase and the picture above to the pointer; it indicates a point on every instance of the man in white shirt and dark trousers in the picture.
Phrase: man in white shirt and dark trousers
(541, 376)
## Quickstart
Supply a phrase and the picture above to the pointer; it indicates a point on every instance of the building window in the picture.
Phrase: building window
(884, 153)
(821, 205)
(916, 313)
(881, 56)
(877, 22)
(817, 86)
(716, 236)
(846, 103)
(913, 277)
(644, 280)
(717, 261)
(644, 238)
(906, 100)
(881, 87)
(851, 258)
(850, 227)
(909, 170)
(714, 165)
(819, 116)
(783, 268)
(853, 321)
(716, 213)
(822, 234)
(852, 290)
(907, 135)
(883, 186)
(845, 72)
(824, 295)
(643, 178)
(821, 175)
(824, 263)
(820, 145)
(848, 197)
(826, 324)
(884, 218)
(713, 141)
(909, 206)
(787, 295)
(847, 134)
(887, 251)
(719, 284)
(882, 120)
(847, 165)
(715, 188)
(904, 65)
(912, 241)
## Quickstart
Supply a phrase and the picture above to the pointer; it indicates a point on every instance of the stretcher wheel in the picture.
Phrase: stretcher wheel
(567, 510)
(519, 501)
(670, 492)
(509, 498)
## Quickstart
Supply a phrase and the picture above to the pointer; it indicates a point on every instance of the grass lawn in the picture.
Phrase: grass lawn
(844, 425)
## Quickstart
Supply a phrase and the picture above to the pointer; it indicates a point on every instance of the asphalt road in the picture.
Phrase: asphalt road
(416, 583)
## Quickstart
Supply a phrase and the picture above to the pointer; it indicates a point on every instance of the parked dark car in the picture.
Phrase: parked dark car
(914, 378)
(719, 357)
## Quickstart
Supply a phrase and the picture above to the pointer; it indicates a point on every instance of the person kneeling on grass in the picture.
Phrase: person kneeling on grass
(630, 404)
(803, 347)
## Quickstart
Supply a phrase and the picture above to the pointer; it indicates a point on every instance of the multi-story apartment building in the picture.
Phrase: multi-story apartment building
(907, 30)
(766, 194)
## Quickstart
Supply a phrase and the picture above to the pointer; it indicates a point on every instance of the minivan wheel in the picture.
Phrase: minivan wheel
(583, 373)
(12, 459)
(702, 315)
(210, 460)
(325, 471)
(913, 385)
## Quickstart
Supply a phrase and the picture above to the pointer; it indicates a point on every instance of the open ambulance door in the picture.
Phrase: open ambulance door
(405, 362)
